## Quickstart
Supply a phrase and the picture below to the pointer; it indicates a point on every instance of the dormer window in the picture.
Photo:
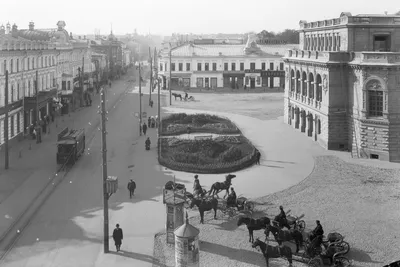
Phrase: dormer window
(381, 43)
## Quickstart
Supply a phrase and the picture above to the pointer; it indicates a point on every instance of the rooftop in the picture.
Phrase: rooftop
(215, 50)
(346, 18)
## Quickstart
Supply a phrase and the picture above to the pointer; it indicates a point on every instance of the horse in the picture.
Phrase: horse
(285, 235)
(177, 96)
(217, 187)
(273, 251)
(205, 205)
(253, 224)
(282, 222)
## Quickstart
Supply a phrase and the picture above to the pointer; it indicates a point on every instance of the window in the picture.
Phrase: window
(263, 66)
(252, 65)
(161, 67)
(5, 66)
(199, 66)
(180, 66)
(382, 43)
(11, 66)
(29, 88)
(33, 63)
(375, 103)
(173, 66)
(233, 66)
(18, 123)
(214, 66)
(242, 66)
(41, 64)
(18, 93)
(225, 66)
(281, 66)
(187, 66)
(12, 125)
(17, 64)
(271, 66)
(29, 61)
(166, 67)
(206, 66)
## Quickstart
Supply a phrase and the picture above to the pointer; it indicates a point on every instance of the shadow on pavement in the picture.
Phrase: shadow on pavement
(138, 256)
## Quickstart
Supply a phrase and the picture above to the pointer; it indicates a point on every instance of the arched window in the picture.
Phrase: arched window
(11, 65)
(311, 85)
(41, 64)
(18, 92)
(29, 61)
(292, 81)
(298, 82)
(33, 63)
(304, 83)
(319, 88)
(375, 98)
(28, 93)
(17, 64)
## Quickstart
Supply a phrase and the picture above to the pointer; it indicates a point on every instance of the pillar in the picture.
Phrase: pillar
(187, 245)
(271, 82)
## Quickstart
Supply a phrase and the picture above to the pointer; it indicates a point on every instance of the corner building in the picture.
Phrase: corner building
(343, 84)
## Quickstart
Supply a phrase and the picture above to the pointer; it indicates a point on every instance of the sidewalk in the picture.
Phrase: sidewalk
(28, 175)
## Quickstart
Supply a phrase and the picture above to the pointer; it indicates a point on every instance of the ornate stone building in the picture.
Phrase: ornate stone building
(343, 84)
(213, 63)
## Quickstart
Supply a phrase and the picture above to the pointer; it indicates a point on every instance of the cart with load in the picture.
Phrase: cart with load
(242, 205)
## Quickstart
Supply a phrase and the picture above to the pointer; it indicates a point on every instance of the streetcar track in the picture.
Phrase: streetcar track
(11, 230)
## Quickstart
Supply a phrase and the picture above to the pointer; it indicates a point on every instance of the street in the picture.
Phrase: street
(68, 229)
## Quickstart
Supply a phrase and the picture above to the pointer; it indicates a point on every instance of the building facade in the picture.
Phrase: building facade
(210, 63)
(28, 57)
(343, 84)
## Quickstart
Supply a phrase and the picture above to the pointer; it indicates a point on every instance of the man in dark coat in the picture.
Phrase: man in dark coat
(118, 236)
(258, 156)
(231, 200)
(281, 218)
(131, 188)
(318, 231)
(144, 128)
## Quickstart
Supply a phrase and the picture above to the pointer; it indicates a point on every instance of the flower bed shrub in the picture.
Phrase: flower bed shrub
(176, 124)
(206, 156)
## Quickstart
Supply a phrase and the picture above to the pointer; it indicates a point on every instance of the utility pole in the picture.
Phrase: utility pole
(6, 162)
(104, 152)
(170, 73)
(158, 87)
(151, 73)
(38, 131)
(82, 79)
(140, 100)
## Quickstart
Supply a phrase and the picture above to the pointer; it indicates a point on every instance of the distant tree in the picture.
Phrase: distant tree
(288, 36)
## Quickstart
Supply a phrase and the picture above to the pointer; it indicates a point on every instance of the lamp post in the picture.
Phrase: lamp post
(170, 73)
(140, 100)
(6, 158)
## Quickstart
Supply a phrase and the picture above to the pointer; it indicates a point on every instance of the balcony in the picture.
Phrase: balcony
(375, 58)
(11, 106)
(317, 55)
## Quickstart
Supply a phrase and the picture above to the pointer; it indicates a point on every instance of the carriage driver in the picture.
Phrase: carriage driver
(231, 198)
(318, 231)
(196, 184)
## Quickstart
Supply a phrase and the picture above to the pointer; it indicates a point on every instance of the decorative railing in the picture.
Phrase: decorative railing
(352, 20)
(377, 57)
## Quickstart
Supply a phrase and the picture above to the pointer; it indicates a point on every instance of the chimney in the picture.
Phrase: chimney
(31, 26)
(2, 30)
(14, 31)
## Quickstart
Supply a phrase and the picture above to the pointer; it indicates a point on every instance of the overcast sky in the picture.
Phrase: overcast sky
(183, 16)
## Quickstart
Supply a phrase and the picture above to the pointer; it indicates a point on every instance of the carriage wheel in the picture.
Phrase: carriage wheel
(301, 225)
(316, 262)
(342, 261)
(250, 206)
(231, 212)
(343, 247)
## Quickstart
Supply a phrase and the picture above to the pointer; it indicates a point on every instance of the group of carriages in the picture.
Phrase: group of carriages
(318, 249)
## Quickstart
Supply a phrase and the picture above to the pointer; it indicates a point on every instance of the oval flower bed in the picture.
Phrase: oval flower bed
(179, 123)
(220, 155)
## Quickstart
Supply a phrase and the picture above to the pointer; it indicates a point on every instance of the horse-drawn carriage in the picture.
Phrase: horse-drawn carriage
(241, 204)
(292, 222)
(328, 251)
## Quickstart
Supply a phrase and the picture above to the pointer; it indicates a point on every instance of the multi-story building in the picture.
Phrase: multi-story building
(211, 63)
(114, 51)
(29, 57)
(343, 84)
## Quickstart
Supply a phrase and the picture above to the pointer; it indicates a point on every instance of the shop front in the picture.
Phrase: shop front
(253, 78)
(233, 80)
(271, 75)
(180, 80)
(43, 102)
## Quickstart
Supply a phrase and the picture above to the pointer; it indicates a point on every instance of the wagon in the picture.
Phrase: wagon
(330, 253)
(242, 205)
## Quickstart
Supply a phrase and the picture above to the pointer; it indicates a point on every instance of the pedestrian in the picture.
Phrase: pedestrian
(149, 121)
(131, 188)
(144, 128)
(258, 156)
(118, 236)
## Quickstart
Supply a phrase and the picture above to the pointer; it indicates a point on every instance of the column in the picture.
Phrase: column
(334, 42)
(308, 91)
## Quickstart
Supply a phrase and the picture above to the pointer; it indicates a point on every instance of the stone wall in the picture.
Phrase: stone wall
(337, 131)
